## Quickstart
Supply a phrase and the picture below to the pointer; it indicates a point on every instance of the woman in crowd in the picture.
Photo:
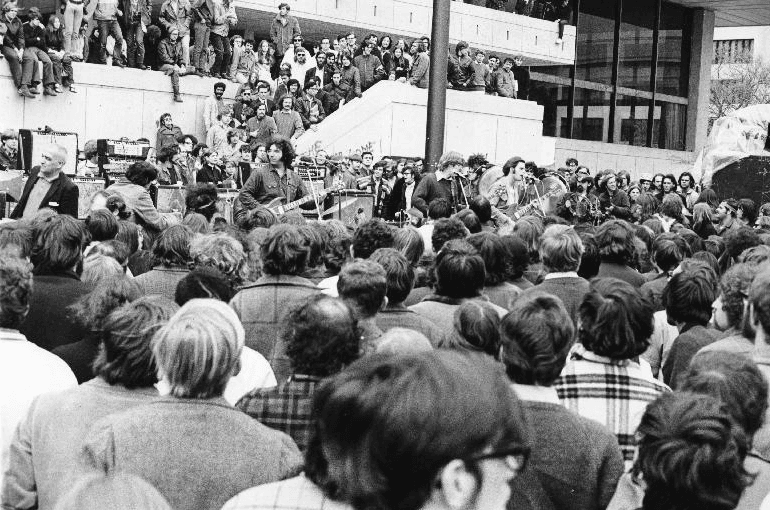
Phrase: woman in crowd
(657, 184)
(613, 200)
(703, 220)
(194, 434)
(265, 62)
(624, 180)
(603, 379)
(62, 62)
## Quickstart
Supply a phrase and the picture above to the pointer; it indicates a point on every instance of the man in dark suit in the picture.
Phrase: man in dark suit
(321, 71)
(48, 187)
(263, 93)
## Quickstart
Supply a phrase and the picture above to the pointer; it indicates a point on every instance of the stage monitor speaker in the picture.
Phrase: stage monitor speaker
(747, 178)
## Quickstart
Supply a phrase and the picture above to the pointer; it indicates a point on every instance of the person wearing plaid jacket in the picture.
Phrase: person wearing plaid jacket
(472, 438)
(328, 325)
(603, 379)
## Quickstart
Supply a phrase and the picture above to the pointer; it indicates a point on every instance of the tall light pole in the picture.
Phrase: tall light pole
(439, 45)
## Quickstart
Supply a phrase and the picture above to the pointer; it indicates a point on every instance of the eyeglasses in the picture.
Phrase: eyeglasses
(515, 457)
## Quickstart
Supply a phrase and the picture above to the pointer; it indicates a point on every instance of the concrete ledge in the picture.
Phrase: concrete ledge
(110, 103)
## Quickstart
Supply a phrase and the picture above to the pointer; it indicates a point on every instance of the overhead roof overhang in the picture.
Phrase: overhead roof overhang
(734, 13)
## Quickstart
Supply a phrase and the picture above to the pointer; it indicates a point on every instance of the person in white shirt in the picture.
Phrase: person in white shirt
(214, 105)
(26, 370)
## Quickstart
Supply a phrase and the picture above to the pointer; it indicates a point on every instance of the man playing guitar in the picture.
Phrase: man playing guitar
(277, 183)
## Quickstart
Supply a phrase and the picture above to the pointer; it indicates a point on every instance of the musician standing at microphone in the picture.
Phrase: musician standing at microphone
(514, 189)
(441, 184)
(278, 180)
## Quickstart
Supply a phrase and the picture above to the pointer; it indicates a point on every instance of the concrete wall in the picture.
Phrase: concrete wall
(636, 160)
(761, 36)
(701, 55)
(391, 119)
(490, 29)
(110, 103)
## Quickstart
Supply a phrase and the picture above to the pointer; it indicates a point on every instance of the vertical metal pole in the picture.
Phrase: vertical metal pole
(434, 139)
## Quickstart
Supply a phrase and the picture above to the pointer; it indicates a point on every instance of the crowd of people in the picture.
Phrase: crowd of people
(194, 37)
(607, 349)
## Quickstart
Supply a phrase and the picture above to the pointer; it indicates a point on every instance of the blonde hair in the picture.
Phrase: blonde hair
(561, 249)
(118, 491)
(199, 349)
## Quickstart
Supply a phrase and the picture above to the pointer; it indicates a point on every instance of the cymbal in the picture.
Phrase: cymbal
(342, 205)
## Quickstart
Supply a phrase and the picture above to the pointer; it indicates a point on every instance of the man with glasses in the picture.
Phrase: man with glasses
(283, 30)
(243, 109)
(363, 449)
(291, 52)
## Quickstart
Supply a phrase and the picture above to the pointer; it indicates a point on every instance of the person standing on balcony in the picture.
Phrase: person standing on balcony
(72, 14)
(350, 76)
(369, 66)
(106, 16)
(283, 30)
(245, 63)
(521, 74)
(462, 73)
(421, 67)
(321, 71)
(481, 75)
(178, 14)
(505, 81)
(136, 19)
(203, 12)
(222, 19)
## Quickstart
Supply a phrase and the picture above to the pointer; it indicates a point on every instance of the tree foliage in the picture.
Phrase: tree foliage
(737, 81)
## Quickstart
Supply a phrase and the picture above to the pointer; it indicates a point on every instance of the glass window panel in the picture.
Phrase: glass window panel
(669, 126)
(592, 115)
(595, 38)
(555, 101)
(674, 50)
(631, 114)
(636, 41)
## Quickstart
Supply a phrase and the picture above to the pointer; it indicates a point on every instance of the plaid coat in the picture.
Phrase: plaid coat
(612, 392)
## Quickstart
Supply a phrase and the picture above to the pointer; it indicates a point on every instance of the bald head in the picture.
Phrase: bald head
(52, 160)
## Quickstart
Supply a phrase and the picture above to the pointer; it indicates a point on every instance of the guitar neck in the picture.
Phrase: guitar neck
(283, 209)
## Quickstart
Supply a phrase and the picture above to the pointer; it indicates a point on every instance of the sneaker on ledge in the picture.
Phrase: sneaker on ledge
(178, 98)
(33, 89)
(49, 91)
(58, 88)
(119, 64)
(73, 89)
(558, 40)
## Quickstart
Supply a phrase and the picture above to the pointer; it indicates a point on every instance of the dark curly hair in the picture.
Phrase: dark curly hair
(518, 256)
(445, 230)
(338, 246)
(399, 272)
(141, 173)
(616, 242)
(321, 336)
(15, 291)
(286, 148)
(536, 336)
(495, 254)
(615, 320)
(58, 244)
(690, 454)
(590, 261)
(370, 236)
(689, 295)
(284, 251)
(202, 199)
(738, 241)
(102, 225)
(459, 271)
